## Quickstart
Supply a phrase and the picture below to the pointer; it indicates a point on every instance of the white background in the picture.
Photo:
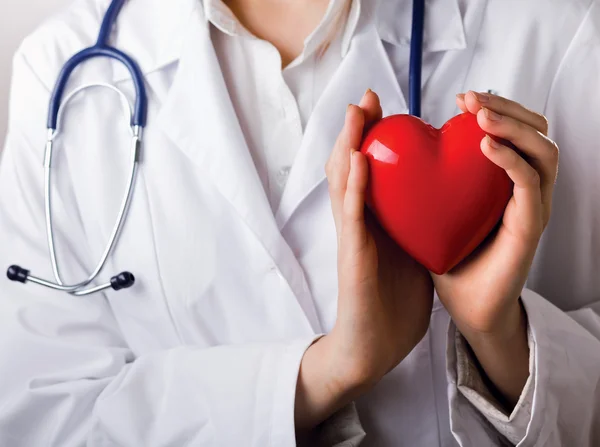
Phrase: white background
(17, 20)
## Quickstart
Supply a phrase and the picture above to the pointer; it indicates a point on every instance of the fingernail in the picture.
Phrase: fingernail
(492, 116)
(347, 113)
(482, 97)
(461, 96)
(363, 99)
(493, 143)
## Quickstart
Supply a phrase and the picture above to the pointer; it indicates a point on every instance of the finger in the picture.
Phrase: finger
(526, 192)
(371, 106)
(542, 153)
(351, 138)
(475, 101)
(354, 230)
(338, 166)
(460, 102)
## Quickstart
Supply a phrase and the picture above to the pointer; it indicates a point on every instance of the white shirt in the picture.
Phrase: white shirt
(274, 105)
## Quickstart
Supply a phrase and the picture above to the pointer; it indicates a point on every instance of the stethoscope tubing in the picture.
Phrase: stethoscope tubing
(416, 58)
(137, 121)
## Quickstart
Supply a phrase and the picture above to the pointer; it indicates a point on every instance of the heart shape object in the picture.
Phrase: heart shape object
(433, 190)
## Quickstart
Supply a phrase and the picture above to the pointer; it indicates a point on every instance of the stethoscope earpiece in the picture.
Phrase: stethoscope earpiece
(17, 274)
(122, 281)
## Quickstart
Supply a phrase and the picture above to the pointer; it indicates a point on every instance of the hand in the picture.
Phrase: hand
(385, 298)
(482, 293)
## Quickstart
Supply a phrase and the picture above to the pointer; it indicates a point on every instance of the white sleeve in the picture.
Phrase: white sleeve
(560, 406)
(474, 386)
(68, 377)
(563, 389)
(343, 429)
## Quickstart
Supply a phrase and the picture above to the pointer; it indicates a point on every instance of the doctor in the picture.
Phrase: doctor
(246, 250)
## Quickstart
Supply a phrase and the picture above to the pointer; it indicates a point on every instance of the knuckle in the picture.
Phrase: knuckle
(534, 178)
(554, 151)
(501, 101)
(543, 125)
(547, 215)
(513, 160)
(512, 129)
(519, 126)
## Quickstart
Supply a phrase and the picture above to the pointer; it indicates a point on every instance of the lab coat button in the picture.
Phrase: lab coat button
(284, 172)
(273, 269)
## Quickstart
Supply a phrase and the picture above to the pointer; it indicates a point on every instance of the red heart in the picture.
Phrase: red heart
(434, 191)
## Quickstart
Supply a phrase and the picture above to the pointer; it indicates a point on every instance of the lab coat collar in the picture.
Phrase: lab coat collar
(338, 12)
(166, 30)
(444, 28)
(152, 35)
(173, 21)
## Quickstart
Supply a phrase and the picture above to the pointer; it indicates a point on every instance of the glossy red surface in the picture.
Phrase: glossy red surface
(434, 191)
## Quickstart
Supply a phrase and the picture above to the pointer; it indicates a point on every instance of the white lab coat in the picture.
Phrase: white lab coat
(205, 349)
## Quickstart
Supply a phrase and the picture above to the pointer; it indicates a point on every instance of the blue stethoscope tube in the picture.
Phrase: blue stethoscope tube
(102, 49)
(138, 121)
(416, 58)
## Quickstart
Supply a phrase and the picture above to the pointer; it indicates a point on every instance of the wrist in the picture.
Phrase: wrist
(352, 369)
(323, 387)
(509, 325)
(342, 374)
(504, 357)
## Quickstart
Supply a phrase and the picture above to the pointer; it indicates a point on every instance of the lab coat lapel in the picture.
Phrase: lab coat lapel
(198, 116)
(365, 66)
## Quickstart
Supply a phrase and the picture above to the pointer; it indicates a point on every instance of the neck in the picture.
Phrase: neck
(286, 25)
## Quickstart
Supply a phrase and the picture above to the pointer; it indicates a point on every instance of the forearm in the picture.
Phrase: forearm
(321, 391)
(504, 357)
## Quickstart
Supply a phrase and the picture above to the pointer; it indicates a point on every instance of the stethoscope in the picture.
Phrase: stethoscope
(137, 120)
